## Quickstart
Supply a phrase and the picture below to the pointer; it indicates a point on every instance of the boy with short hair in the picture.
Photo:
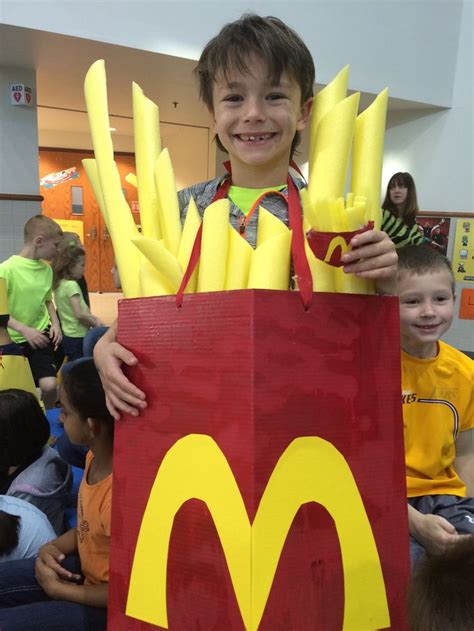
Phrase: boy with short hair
(256, 79)
(438, 406)
(33, 323)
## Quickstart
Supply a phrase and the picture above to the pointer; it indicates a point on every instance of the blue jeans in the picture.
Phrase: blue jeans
(24, 606)
(459, 511)
(91, 339)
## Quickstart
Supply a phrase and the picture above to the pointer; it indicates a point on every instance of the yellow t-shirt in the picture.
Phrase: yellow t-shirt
(438, 403)
(94, 505)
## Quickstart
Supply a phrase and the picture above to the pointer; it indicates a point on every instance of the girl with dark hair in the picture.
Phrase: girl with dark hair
(66, 587)
(76, 318)
(401, 199)
(29, 469)
(400, 208)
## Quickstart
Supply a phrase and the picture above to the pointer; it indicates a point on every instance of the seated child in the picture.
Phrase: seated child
(33, 322)
(256, 79)
(441, 594)
(29, 469)
(438, 406)
(75, 315)
(58, 588)
(23, 529)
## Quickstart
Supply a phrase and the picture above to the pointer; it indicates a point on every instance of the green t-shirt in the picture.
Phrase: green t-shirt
(70, 325)
(29, 285)
(244, 198)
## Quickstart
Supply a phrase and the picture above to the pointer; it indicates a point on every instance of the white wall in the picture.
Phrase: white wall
(421, 49)
(409, 45)
(436, 147)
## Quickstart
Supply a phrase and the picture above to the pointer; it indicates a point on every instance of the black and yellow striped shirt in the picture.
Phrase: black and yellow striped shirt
(399, 232)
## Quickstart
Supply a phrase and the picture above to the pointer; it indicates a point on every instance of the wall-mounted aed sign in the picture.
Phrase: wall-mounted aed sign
(20, 94)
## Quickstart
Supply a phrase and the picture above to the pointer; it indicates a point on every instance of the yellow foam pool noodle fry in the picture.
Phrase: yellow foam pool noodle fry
(146, 129)
(351, 284)
(168, 198)
(152, 282)
(268, 226)
(322, 273)
(90, 167)
(164, 262)
(337, 213)
(356, 215)
(121, 225)
(325, 100)
(188, 236)
(95, 92)
(316, 211)
(309, 210)
(214, 247)
(349, 200)
(239, 256)
(332, 149)
(270, 264)
(368, 155)
(131, 178)
(121, 228)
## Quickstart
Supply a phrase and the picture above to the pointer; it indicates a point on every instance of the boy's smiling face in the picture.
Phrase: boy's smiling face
(426, 311)
(256, 122)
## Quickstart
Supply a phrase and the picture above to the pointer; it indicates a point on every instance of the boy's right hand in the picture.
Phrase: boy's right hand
(120, 393)
(35, 338)
(435, 533)
(52, 556)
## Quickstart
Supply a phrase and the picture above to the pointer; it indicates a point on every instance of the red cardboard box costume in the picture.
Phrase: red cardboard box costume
(254, 381)
(263, 487)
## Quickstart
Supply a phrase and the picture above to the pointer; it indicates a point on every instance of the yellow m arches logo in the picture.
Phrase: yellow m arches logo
(337, 242)
(195, 467)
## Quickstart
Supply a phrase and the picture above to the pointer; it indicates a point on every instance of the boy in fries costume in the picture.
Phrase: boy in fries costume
(261, 485)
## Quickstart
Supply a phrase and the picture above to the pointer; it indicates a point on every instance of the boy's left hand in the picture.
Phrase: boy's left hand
(373, 256)
(56, 335)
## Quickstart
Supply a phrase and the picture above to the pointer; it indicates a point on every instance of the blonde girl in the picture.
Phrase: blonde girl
(76, 318)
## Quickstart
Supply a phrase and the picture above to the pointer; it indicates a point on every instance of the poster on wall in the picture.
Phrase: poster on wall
(72, 225)
(436, 230)
(53, 179)
(463, 252)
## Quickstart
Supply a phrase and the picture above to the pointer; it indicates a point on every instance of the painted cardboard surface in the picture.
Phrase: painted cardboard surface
(466, 304)
(253, 372)
(463, 251)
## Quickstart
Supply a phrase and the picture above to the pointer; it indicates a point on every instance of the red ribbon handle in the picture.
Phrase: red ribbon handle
(300, 262)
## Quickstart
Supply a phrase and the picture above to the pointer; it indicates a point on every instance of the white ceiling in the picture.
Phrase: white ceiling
(61, 63)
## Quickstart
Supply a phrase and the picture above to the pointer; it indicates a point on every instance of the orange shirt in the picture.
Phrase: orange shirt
(93, 526)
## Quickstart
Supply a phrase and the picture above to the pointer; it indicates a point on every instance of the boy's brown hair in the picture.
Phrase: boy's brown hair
(269, 39)
(441, 594)
(40, 225)
(422, 259)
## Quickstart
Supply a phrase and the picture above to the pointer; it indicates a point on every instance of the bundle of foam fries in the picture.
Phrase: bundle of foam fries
(153, 262)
